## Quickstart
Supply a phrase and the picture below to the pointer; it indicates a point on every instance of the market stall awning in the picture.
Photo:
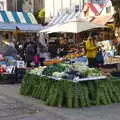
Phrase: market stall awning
(63, 18)
(29, 27)
(103, 19)
(22, 20)
(75, 26)
(17, 17)
(70, 16)
(53, 20)
(56, 21)
(7, 27)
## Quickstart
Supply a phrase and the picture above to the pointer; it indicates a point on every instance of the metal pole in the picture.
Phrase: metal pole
(80, 5)
(33, 3)
(83, 3)
(53, 8)
(16, 5)
(61, 4)
(70, 4)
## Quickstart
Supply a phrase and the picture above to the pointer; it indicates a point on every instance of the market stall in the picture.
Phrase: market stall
(66, 82)
(10, 65)
(14, 27)
(71, 47)
(70, 85)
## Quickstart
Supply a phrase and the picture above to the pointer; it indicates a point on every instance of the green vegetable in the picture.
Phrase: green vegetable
(54, 68)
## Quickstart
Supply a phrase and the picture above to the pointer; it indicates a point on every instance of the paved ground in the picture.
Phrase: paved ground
(16, 107)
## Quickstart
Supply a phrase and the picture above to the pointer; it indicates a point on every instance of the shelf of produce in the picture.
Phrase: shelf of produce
(64, 93)
(54, 61)
(82, 79)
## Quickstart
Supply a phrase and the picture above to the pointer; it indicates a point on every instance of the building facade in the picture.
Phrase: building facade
(33, 5)
(56, 7)
(108, 9)
(3, 4)
(24, 5)
(38, 4)
(14, 5)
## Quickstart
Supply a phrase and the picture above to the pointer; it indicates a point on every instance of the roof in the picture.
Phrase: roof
(95, 8)
(17, 17)
(102, 19)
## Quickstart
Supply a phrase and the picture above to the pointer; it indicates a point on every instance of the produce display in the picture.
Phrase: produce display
(54, 61)
(38, 71)
(66, 93)
(74, 71)
(64, 85)
(83, 69)
(72, 56)
(54, 68)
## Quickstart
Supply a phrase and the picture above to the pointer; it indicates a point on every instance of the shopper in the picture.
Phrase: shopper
(91, 48)
(21, 51)
(36, 60)
(53, 50)
(99, 58)
(29, 53)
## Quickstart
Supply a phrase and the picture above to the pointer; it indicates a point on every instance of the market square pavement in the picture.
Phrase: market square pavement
(16, 107)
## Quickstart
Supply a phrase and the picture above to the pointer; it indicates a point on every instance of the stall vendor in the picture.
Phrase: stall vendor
(91, 48)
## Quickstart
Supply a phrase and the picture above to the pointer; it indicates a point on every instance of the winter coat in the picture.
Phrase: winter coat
(30, 52)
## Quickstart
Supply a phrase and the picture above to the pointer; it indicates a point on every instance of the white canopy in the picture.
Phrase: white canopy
(75, 26)
(50, 28)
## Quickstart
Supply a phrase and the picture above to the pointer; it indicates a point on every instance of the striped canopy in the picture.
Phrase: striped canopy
(63, 18)
(17, 17)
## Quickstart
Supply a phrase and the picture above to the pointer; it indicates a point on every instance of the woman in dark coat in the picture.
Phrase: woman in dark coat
(30, 52)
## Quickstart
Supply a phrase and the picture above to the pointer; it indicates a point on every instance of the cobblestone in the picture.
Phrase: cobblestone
(10, 107)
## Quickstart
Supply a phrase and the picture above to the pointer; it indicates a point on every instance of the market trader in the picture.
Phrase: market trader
(91, 48)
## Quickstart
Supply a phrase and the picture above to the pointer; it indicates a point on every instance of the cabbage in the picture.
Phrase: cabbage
(58, 74)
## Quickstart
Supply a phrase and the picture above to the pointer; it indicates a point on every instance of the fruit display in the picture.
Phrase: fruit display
(54, 61)
(72, 56)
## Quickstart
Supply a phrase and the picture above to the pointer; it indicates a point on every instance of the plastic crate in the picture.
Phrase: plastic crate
(6, 78)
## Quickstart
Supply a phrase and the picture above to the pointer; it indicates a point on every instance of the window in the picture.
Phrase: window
(77, 7)
(98, 1)
(108, 9)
